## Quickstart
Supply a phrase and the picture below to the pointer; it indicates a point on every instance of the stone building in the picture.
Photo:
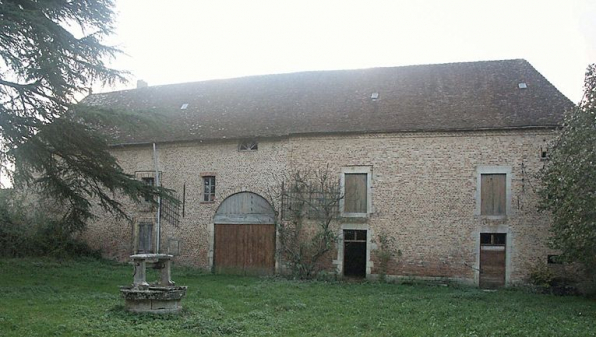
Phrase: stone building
(442, 158)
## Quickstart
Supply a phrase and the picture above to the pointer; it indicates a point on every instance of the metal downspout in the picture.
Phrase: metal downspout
(157, 183)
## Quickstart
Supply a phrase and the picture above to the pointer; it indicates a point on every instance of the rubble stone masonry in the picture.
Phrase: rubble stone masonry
(424, 194)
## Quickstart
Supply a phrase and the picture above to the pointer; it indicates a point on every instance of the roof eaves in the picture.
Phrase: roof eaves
(303, 134)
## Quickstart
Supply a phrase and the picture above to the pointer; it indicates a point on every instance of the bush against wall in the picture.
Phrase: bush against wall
(308, 209)
(30, 228)
(386, 251)
(569, 181)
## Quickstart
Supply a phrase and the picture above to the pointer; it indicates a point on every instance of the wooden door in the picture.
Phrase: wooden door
(492, 260)
(145, 244)
(244, 249)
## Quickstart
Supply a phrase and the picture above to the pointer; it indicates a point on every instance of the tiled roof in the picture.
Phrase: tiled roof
(442, 97)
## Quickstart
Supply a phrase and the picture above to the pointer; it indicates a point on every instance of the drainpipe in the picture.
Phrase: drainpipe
(157, 183)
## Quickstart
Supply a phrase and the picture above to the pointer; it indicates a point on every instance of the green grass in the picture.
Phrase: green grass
(80, 298)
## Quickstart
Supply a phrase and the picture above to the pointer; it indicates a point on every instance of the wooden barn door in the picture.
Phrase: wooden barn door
(244, 249)
(492, 260)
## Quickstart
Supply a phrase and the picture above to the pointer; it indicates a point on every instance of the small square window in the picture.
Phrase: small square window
(249, 145)
(148, 181)
(493, 238)
(209, 188)
(354, 235)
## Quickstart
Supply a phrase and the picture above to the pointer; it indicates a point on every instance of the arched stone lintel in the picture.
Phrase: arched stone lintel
(244, 208)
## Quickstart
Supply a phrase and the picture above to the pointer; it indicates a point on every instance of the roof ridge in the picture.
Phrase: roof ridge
(311, 72)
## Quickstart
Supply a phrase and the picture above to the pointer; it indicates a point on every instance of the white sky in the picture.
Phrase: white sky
(183, 41)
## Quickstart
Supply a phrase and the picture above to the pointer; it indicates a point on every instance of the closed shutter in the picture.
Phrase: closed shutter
(493, 197)
(145, 238)
(355, 199)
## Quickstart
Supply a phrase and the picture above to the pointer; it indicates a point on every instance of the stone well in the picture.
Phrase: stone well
(161, 297)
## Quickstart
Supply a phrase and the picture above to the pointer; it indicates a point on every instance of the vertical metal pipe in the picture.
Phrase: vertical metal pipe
(183, 199)
(157, 183)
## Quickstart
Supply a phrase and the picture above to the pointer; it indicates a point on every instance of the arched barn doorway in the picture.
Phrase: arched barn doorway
(244, 240)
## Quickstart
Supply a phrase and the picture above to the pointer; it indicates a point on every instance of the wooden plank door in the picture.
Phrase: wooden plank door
(492, 261)
(145, 244)
(244, 249)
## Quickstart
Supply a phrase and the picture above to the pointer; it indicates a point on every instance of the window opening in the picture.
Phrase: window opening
(148, 181)
(249, 145)
(209, 188)
(493, 238)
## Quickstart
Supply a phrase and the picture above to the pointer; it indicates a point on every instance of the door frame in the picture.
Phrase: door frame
(235, 216)
(509, 238)
(365, 241)
(339, 262)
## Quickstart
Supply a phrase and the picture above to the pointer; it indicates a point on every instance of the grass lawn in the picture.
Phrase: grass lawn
(80, 298)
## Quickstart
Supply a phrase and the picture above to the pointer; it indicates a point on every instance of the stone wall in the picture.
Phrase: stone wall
(424, 194)
(423, 189)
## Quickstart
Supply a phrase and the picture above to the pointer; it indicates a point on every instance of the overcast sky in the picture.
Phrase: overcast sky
(182, 41)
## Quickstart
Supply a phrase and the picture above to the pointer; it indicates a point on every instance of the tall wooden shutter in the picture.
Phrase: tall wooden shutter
(355, 199)
(145, 237)
(493, 195)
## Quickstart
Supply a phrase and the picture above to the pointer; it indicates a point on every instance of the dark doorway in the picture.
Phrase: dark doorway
(492, 260)
(355, 253)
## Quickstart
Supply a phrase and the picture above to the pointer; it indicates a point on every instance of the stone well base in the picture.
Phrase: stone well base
(158, 300)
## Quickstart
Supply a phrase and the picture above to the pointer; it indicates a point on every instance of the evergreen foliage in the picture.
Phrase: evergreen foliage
(569, 181)
(51, 52)
(30, 229)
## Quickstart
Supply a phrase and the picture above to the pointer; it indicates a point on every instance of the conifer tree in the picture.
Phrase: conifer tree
(51, 52)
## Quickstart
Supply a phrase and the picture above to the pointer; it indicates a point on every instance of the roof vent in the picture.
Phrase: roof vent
(374, 95)
(522, 85)
(184, 106)
(142, 84)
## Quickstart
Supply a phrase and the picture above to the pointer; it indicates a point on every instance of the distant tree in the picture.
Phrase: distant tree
(51, 52)
(569, 180)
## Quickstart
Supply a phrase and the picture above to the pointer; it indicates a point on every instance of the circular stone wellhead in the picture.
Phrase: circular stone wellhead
(159, 300)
